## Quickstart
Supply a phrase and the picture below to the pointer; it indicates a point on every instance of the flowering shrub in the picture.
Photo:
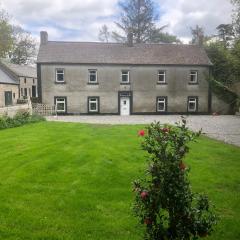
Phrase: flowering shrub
(164, 201)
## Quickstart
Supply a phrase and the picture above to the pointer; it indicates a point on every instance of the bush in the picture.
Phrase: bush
(164, 200)
(21, 118)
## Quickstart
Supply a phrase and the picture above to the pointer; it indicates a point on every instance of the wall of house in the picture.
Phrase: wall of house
(143, 84)
(8, 87)
(27, 83)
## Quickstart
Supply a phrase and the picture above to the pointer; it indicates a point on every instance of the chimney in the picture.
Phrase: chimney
(130, 39)
(43, 37)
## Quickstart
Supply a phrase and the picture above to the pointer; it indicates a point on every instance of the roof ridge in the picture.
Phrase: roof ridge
(118, 43)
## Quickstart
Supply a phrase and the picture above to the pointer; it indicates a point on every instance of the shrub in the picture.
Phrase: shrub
(164, 201)
(21, 118)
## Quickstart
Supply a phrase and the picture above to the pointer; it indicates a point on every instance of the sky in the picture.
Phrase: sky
(80, 20)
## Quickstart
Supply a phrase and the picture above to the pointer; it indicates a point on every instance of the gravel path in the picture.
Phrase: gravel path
(225, 128)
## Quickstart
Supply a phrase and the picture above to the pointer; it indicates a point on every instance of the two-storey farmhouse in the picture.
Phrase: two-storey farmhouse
(116, 78)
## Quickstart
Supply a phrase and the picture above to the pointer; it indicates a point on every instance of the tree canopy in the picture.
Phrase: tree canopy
(139, 18)
(15, 43)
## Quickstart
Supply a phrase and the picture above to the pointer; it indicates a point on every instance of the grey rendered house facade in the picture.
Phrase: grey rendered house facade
(113, 78)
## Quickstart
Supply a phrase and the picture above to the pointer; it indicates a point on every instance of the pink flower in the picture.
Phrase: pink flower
(141, 133)
(147, 221)
(182, 166)
(165, 130)
(144, 194)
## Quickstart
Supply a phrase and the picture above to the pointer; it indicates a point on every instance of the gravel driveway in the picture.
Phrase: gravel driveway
(225, 128)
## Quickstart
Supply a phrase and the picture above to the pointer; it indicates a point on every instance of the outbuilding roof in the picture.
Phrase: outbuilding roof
(19, 70)
(119, 53)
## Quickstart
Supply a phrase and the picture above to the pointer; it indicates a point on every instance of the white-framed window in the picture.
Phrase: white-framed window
(161, 76)
(60, 75)
(92, 76)
(192, 104)
(193, 76)
(125, 76)
(60, 104)
(161, 104)
(93, 104)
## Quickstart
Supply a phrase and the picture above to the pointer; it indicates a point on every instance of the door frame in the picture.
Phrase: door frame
(125, 94)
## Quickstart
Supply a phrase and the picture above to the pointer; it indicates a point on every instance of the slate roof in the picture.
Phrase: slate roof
(19, 70)
(6, 78)
(118, 53)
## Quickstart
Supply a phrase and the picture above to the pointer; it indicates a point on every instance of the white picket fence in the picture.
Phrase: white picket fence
(43, 109)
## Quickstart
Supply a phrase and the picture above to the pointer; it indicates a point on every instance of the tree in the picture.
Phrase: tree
(158, 36)
(24, 47)
(225, 33)
(15, 42)
(138, 17)
(6, 38)
(197, 35)
(164, 202)
(236, 17)
(104, 34)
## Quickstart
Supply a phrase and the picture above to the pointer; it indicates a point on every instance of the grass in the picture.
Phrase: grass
(73, 181)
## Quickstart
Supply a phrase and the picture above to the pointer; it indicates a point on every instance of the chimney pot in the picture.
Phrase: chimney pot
(43, 37)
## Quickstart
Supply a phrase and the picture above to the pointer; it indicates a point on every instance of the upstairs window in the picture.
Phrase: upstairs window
(33, 81)
(193, 77)
(60, 104)
(92, 76)
(161, 104)
(125, 77)
(161, 76)
(192, 104)
(60, 75)
(93, 104)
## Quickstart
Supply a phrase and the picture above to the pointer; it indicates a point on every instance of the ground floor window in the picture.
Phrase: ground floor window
(161, 104)
(93, 104)
(60, 103)
(192, 104)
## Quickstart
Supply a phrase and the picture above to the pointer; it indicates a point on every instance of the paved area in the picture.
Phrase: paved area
(225, 128)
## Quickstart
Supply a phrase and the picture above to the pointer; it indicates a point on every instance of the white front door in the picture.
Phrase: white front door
(125, 106)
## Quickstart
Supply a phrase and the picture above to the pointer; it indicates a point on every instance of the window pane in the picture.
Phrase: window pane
(124, 78)
(192, 104)
(92, 78)
(93, 106)
(60, 75)
(161, 78)
(161, 106)
(61, 106)
(193, 76)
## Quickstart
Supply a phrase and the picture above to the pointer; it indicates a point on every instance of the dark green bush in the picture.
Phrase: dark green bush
(164, 202)
(21, 118)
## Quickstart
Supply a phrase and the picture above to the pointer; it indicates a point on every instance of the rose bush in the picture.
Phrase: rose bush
(164, 201)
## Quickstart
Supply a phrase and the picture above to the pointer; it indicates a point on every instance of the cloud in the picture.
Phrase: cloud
(80, 20)
(181, 15)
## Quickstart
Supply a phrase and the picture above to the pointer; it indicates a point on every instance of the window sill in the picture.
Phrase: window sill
(161, 83)
(191, 83)
(96, 83)
(127, 83)
(60, 82)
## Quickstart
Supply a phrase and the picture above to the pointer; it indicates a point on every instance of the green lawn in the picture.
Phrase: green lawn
(73, 181)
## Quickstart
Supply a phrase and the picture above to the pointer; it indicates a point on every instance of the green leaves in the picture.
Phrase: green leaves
(170, 210)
